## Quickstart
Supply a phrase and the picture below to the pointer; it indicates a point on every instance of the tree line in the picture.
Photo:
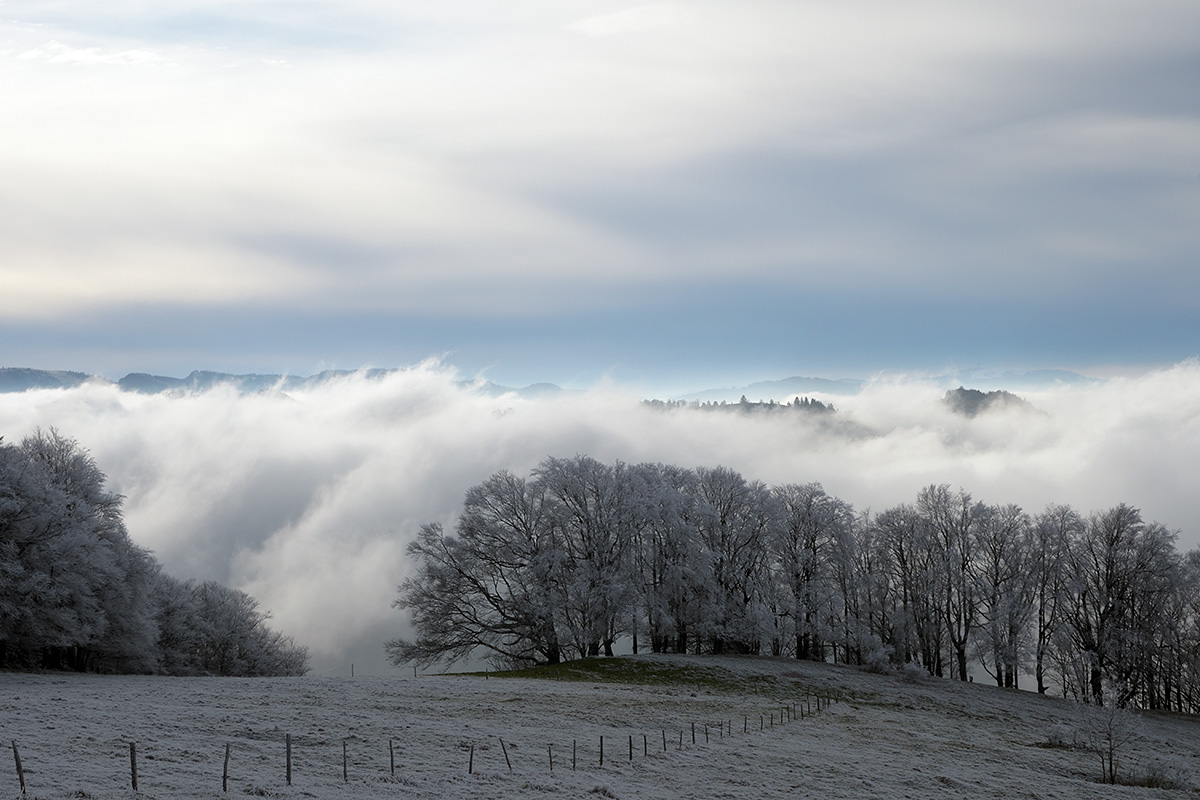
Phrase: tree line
(799, 404)
(77, 593)
(562, 564)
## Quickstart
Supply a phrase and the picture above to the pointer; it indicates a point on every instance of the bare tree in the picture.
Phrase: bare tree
(810, 537)
(1110, 733)
(592, 508)
(1005, 590)
(493, 587)
(1053, 531)
(672, 565)
(736, 519)
(952, 519)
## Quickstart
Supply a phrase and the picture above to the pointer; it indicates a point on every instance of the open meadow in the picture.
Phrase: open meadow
(491, 736)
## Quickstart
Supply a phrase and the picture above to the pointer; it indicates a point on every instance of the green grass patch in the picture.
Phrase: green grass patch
(654, 673)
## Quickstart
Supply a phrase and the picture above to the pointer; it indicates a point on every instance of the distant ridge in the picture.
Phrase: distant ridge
(1032, 379)
(22, 379)
(782, 390)
(203, 380)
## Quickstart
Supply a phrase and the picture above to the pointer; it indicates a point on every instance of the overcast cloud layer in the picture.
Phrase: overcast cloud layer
(308, 500)
(564, 190)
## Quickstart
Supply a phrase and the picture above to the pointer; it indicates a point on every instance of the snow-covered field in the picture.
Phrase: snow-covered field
(887, 737)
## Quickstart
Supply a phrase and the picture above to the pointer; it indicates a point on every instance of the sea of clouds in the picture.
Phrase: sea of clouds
(307, 499)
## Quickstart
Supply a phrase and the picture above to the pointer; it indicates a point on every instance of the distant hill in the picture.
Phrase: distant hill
(785, 388)
(972, 402)
(1007, 379)
(20, 379)
(782, 390)
(202, 381)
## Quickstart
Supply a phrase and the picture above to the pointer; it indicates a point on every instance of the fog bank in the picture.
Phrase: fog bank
(306, 500)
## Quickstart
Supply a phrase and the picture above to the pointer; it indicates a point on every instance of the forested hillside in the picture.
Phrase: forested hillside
(563, 563)
(77, 593)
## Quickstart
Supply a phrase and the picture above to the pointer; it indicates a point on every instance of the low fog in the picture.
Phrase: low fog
(307, 499)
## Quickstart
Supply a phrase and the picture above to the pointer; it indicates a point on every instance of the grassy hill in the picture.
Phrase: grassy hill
(874, 736)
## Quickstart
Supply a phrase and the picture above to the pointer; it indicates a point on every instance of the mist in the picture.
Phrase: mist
(307, 499)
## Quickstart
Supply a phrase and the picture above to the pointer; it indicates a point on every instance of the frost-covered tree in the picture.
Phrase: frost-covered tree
(876, 602)
(1053, 531)
(78, 589)
(1002, 545)
(75, 591)
(736, 518)
(674, 569)
(494, 587)
(952, 518)
(594, 515)
(810, 542)
(907, 562)
(232, 637)
(1182, 676)
(1122, 573)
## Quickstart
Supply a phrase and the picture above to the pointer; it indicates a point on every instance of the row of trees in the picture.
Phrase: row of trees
(77, 593)
(802, 404)
(562, 564)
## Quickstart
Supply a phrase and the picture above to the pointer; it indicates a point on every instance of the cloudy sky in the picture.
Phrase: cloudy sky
(665, 195)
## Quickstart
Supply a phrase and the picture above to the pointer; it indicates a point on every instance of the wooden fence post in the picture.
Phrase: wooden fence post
(471, 761)
(20, 771)
(392, 754)
(225, 771)
(288, 747)
(345, 763)
(505, 751)
(133, 765)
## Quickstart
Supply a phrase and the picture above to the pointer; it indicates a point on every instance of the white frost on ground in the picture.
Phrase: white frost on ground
(887, 738)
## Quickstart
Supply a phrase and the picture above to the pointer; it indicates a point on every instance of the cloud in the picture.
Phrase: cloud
(307, 500)
(643, 19)
(525, 157)
(58, 53)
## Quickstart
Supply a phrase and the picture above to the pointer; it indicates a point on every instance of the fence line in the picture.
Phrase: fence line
(793, 711)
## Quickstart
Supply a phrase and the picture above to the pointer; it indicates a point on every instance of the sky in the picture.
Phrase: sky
(670, 196)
